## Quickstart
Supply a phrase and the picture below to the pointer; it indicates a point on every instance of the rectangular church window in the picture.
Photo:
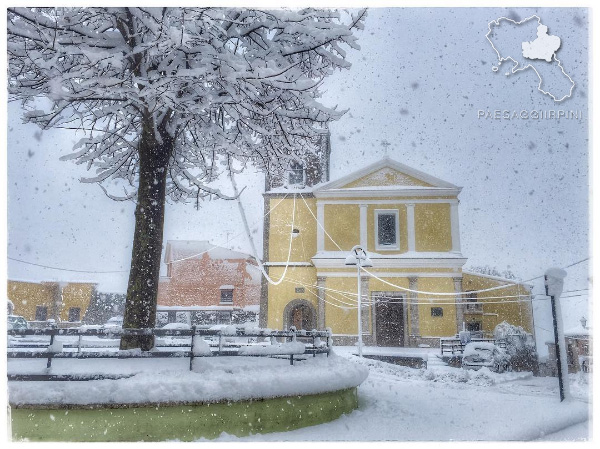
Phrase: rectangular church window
(387, 229)
(437, 311)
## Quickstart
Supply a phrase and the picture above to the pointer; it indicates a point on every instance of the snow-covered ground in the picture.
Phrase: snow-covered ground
(396, 403)
(213, 379)
(450, 404)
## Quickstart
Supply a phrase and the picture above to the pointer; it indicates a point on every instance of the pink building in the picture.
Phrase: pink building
(207, 284)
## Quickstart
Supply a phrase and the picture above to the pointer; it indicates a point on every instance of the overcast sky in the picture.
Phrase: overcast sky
(413, 93)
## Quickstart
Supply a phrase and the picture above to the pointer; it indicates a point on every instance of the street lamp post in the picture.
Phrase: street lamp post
(554, 281)
(358, 256)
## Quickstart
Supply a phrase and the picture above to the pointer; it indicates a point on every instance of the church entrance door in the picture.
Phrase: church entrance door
(390, 320)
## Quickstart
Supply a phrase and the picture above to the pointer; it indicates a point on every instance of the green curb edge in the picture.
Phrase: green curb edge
(160, 422)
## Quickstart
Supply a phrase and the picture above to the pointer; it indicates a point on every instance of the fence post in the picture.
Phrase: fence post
(79, 344)
(49, 362)
(192, 346)
(292, 340)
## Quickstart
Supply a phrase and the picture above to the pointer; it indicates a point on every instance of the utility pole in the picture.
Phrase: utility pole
(553, 281)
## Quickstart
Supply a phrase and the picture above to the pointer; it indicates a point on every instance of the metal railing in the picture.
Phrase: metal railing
(222, 343)
(454, 346)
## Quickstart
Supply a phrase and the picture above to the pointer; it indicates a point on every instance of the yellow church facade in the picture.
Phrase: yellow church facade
(416, 290)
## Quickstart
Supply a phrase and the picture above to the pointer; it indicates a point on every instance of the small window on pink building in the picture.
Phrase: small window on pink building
(227, 294)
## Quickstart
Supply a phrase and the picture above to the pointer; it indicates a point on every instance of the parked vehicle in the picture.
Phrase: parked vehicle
(114, 322)
(175, 338)
(182, 326)
(479, 354)
(15, 322)
(585, 361)
(85, 327)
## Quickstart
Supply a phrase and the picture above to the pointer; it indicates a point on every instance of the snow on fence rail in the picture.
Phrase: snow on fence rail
(222, 342)
(455, 346)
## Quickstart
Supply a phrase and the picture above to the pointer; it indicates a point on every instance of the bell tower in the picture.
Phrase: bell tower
(311, 170)
(302, 173)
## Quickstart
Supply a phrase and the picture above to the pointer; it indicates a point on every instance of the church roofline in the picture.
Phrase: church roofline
(390, 191)
(387, 162)
(497, 278)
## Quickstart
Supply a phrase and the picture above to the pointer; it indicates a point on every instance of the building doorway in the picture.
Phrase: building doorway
(301, 317)
(300, 314)
(389, 319)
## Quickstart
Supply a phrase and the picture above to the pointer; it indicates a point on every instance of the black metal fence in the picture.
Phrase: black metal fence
(222, 342)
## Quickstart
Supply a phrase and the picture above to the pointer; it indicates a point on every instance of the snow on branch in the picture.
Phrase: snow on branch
(188, 86)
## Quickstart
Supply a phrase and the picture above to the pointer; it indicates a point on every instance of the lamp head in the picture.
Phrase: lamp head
(351, 260)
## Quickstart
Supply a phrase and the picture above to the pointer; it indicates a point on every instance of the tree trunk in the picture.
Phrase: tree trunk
(142, 290)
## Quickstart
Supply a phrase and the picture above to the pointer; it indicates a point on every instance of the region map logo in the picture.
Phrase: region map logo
(529, 45)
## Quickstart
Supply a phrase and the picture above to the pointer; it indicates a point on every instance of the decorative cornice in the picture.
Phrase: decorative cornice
(387, 274)
(437, 262)
(387, 193)
(279, 194)
(291, 264)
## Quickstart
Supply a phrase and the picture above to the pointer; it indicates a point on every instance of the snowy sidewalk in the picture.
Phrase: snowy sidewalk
(451, 404)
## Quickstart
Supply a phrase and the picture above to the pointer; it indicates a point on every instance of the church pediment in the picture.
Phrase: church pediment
(387, 175)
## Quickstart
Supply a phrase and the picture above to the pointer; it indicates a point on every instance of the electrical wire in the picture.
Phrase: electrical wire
(65, 269)
(434, 293)
(428, 301)
(232, 238)
(344, 294)
(320, 225)
(127, 271)
(448, 303)
(564, 268)
(576, 263)
(325, 290)
(423, 292)
(260, 265)
(577, 290)
(345, 306)
(463, 295)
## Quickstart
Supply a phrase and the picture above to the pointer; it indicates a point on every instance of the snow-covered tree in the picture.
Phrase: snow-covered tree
(104, 306)
(520, 346)
(167, 96)
(492, 271)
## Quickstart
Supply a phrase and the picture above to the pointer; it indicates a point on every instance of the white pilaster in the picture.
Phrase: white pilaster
(363, 225)
(321, 280)
(454, 226)
(410, 225)
(320, 226)
(460, 307)
(413, 306)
